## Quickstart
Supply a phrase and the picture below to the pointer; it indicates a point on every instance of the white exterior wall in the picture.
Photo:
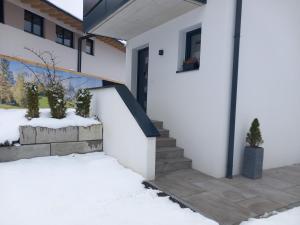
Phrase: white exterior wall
(269, 79)
(107, 63)
(193, 105)
(122, 136)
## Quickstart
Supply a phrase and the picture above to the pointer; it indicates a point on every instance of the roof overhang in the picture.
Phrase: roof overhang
(52, 10)
(47, 7)
(125, 19)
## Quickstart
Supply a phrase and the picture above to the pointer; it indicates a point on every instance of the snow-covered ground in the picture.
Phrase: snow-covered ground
(91, 189)
(11, 119)
(290, 217)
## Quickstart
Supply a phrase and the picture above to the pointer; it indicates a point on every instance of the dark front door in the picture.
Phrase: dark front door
(1, 11)
(142, 77)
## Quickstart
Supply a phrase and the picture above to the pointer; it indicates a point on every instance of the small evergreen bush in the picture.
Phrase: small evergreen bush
(32, 100)
(5, 144)
(254, 138)
(56, 97)
(83, 102)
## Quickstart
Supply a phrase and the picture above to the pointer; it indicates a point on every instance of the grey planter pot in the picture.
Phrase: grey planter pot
(253, 162)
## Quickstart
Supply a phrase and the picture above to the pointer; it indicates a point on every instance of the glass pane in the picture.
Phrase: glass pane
(37, 29)
(59, 35)
(195, 46)
(68, 38)
(27, 21)
(89, 47)
(67, 42)
(27, 26)
(37, 25)
(37, 20)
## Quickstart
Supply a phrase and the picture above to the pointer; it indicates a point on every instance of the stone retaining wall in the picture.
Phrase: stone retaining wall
(41, 141)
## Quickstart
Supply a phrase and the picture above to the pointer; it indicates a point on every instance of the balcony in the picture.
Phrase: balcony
(125, 19)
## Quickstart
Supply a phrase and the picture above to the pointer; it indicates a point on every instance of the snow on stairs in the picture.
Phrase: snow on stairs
(169, 157)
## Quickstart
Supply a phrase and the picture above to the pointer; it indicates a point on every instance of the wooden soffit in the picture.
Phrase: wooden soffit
(57, 13)
(61, 15)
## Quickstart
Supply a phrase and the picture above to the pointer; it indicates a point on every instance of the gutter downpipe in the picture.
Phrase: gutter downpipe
(79, 53)
(234, 86)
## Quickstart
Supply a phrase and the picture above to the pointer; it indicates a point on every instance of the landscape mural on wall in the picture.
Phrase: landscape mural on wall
(14, 74)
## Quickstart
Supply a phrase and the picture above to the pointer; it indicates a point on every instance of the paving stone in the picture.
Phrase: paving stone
(295, 168)
(225, 190)
(260, 205)
(27, 135)
(266, 180)
(235, 180)
(219, 209)
(231, 201)
(49, 135)
(186, 175)
(93, 132)
(294, 191)
(13, 153)
(270, 193)
(285, 174)
(177, 188)
(275, 183)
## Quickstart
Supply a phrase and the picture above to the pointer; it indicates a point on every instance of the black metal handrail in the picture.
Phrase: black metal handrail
(135, 109)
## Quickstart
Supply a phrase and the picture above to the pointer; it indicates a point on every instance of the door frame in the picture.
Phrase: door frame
(138, 68)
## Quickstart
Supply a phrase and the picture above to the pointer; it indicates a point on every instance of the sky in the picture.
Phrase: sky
(74, 7)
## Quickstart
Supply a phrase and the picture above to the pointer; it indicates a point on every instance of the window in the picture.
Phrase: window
(33, 23)
(64, 36)
(89, 46)
(192, 50)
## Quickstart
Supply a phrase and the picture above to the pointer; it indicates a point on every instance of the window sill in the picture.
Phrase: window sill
(184, 71)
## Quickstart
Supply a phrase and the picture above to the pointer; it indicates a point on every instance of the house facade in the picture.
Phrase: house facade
(208, 68)
(41, 26)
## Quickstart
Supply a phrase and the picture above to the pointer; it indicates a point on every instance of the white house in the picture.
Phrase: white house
(41, 26)
(244, 63)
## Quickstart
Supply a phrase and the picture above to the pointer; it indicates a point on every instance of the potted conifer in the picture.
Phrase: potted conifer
(253, 154)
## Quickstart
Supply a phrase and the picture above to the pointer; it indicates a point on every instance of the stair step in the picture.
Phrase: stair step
(170, 165)
(164, 132)
(169, 153)
(165, 142)
(158, 124)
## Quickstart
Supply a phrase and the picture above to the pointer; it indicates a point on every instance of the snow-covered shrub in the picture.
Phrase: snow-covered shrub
(56, 98)
(5, 144)
(83, 102)
(32, 100)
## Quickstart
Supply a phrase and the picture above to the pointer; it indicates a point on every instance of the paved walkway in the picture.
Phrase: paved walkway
(230, 202)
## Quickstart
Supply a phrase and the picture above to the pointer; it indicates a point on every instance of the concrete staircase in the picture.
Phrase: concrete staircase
(169, 157)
